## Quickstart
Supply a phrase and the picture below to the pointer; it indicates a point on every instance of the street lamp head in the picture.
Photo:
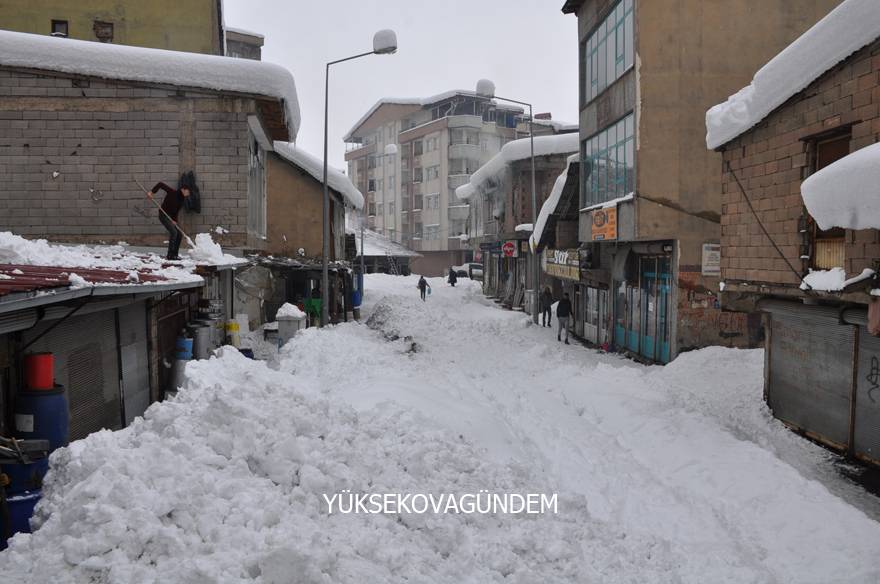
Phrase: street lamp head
(390, 149)
(485, 88)
(385, 42)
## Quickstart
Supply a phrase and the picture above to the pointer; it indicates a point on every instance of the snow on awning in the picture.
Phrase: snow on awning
(126, 63)
(512, 152)
(549, 206)
(845, 30)
(336, 179)
(846, 193)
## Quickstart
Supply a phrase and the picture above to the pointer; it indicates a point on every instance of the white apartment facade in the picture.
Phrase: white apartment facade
(440, 141)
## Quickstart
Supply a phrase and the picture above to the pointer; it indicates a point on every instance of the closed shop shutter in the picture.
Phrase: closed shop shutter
(866, 435)
(86, 364)
(810, 376)
(135, 360)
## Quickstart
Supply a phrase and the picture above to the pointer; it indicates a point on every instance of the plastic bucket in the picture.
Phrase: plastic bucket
(184, 348)
(21, 509)
(25, 477)
(43, 415)
(39, 371)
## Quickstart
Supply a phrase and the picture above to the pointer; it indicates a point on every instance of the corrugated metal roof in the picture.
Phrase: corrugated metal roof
(25, 278)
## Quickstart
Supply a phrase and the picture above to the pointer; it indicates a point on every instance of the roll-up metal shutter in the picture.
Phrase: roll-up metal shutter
(866, 431)
(86, 363)
(17, 321)
(810, 376)
(135, 360)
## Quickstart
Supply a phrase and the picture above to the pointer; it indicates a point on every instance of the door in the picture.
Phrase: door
(655, 287)
(135, 360)
(866, 433)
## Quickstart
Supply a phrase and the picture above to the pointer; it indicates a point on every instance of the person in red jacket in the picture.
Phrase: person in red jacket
(171, 205)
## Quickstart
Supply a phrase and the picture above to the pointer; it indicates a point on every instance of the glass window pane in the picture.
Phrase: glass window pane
(601, 65)
(627, 5)
(609, 59)
(628, 41)
(630, 167)
(629, 125)
(618, 12)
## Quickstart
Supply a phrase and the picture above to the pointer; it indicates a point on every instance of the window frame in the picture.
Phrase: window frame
(604, 57)
(613, 141)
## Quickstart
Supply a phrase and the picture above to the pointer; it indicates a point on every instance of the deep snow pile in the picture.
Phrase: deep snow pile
(846, 193)
(845, 30)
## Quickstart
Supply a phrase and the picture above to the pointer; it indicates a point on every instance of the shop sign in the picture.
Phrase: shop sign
(604, 224)
(563, 263)
(492, 246)
(510, 249)
(711, 259)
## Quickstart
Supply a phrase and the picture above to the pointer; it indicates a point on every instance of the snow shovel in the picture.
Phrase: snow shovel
(158, 206)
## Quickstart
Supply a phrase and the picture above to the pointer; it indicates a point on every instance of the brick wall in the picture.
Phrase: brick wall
(99, 135)
(772, 160)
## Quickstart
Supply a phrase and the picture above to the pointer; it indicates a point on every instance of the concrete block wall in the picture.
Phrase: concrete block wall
(772, 160)
(98, 136)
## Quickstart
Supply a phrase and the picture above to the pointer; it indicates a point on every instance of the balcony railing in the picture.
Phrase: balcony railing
(456, 180)
(464, 121)
(465, 151)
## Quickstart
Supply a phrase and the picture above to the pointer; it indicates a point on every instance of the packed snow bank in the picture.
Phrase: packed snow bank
(845, 30)
(226, 483)
(846, 193)
(15, 249)
(489, 174)
(549, 206)
(336, 179)
(289, 310)
(127, 63)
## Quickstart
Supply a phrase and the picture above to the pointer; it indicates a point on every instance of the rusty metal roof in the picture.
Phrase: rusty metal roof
(25, 278)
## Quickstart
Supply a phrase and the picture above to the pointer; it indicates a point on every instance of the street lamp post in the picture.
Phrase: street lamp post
(485, 88)
(384, 43)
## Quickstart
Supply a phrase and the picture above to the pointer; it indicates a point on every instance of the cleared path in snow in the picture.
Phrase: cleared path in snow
(684, 457)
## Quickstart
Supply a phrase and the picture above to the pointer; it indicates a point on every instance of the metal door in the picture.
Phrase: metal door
(591, 315)
(866, 431)
(810, 377)
(135, 360)
(655, 285)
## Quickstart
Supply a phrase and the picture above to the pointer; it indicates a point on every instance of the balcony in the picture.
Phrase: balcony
(459, 213)
(360, 152)
(465, 122)
(456, 180)
(465, 151)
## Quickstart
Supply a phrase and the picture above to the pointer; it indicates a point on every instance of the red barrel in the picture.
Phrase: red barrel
(39, 371)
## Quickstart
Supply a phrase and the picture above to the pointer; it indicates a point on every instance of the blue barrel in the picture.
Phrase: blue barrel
(21, 509)
(184, 349)
(25, 477)
(42, 414)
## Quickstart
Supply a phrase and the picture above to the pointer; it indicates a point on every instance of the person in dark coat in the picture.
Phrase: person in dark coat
(423, 287)
(546, 302)
(563, 312)
(171, 205)
(453, 278)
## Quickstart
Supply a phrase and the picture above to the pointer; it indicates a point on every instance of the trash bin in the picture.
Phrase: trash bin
(290, 321)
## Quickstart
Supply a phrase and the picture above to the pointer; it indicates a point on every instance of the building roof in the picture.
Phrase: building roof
(336, 179)
(567, 179)
(376, 244)
(520, 149)
(156, 66)
(846, 29)
(571, 6)
(244, 32)
(420, 102)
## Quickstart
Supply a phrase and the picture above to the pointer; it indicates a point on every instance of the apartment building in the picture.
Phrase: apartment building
(648, 73)
(440, 141)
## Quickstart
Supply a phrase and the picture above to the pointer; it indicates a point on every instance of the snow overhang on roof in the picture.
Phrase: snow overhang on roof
(244, 32)
(846, 193)
(566, 179)
(377, 245)
(336, 179)
(846, 29)
(513, 151)
(154, 66)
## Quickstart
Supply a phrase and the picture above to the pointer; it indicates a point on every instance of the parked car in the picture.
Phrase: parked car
(470, 270)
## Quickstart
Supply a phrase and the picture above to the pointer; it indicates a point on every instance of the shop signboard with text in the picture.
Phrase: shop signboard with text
(563, 263)
(604, 222)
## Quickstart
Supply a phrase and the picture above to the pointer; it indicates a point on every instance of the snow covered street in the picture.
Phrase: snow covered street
(674, 474)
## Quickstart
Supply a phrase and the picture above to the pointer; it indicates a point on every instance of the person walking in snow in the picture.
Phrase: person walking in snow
(563, 312)
(546, 302)
(423, 287)
(171, 206)
(452, 277)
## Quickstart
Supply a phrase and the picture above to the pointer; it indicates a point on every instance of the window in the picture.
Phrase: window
(418, 148)
(371, 209)
(828, 245)
(417, 231)
(417, 175)
(391, 209)
(391, 183)
(256, 188)
(433, 172)
(432, 232)
(380, 185)
(379, 209)
(608, 52)
(456, 227)
(432, 201)
(59, 28)
(609, 163)
(371, 185)
(103, 31)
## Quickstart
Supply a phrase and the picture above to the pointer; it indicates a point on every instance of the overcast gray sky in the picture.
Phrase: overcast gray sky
(527, 47)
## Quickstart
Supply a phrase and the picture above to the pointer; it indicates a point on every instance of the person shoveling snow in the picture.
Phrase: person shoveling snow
(169, 210)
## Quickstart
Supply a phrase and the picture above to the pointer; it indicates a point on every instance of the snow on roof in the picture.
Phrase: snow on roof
(549, 206)
(847, 193)
(421, 102)
(243, 31)
(833, 280)
(524, 227)
(336, 179)
(513, 151)
(145, 65)
(557, 125)
(845, 30)
(376, 244)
